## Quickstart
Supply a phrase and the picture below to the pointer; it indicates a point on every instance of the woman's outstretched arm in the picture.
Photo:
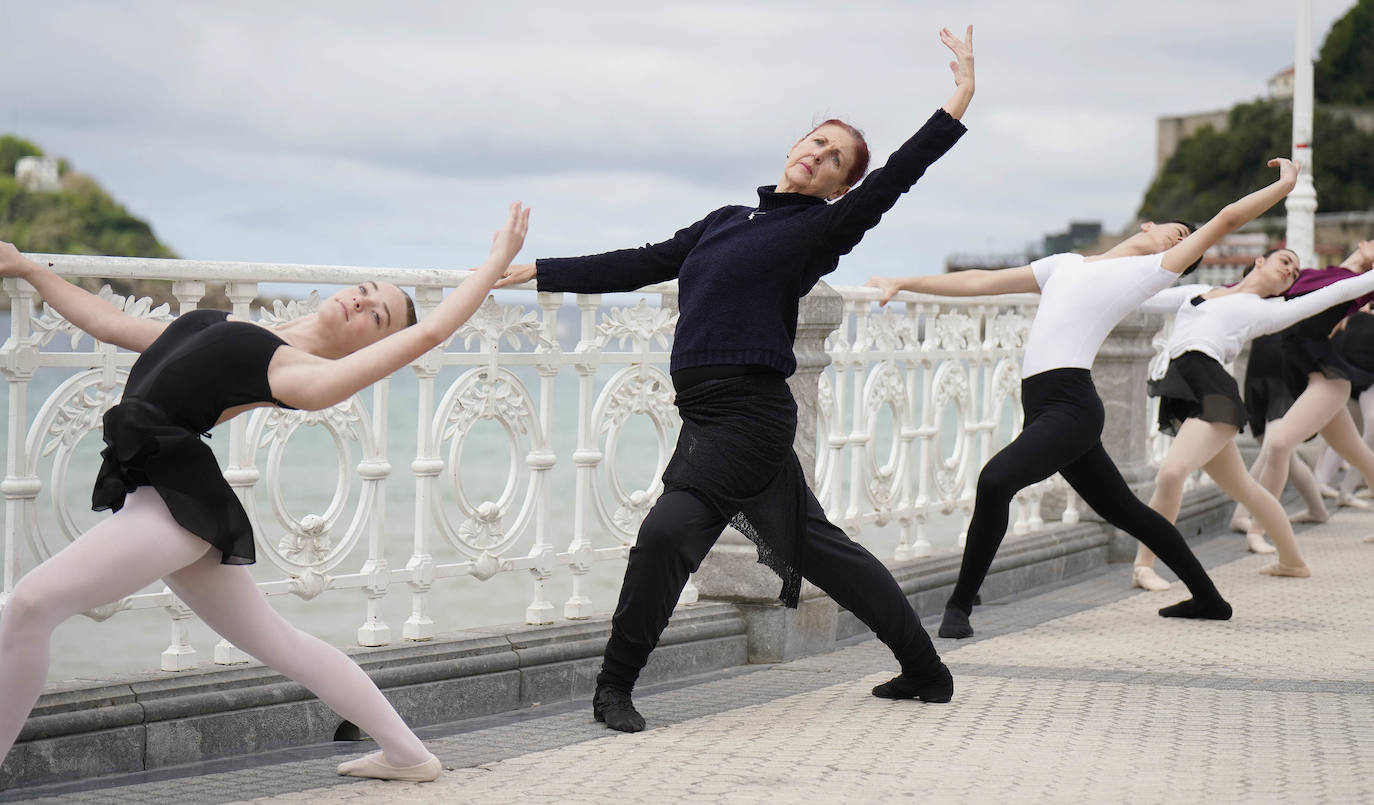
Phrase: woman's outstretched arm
(974, 282)
(94, 315)
(1187, 251)
(309, 382)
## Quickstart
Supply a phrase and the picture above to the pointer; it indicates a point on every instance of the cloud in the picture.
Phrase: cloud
(393, 134)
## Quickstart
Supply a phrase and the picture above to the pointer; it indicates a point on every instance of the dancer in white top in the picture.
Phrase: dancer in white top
(1081, 300)
(1200, 403)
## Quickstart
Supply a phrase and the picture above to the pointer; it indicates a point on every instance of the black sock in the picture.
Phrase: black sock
(955, 624)
(615, 708)
(1214, 610)
(935, 686)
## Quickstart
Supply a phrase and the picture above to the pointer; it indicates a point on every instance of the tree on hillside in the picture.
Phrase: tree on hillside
(1211, 168)
(11, 149)
(1345, 72)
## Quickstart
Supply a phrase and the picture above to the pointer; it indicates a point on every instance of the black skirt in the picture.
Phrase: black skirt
(1355, 345)
(145, 447)
(1197, 387)
(1267, 396)
(735, 453)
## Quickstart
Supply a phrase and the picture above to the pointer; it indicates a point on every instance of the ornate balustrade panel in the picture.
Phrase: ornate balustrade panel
(540, 431)
(918, 396)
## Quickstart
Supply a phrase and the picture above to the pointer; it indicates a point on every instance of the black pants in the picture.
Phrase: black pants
(676, 536)
(1063, 433)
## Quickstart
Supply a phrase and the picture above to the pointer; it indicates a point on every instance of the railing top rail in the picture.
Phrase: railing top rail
(160, 268)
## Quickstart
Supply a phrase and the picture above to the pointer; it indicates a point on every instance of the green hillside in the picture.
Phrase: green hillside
(78, 218)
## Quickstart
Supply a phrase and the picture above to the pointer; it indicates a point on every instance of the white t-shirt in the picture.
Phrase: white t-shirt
(1222, 326)
(1081, 301)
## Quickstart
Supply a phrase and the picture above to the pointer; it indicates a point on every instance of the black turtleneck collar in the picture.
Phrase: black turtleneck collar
(771, 199)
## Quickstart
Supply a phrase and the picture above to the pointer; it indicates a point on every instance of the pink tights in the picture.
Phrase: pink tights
(134, 548)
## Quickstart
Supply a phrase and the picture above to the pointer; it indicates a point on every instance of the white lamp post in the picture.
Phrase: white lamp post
(1302, 202)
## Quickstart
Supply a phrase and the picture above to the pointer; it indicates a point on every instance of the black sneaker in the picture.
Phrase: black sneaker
(615, 709)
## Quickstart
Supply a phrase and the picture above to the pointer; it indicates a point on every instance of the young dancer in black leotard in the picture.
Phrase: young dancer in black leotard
(1081, 300)
(740, 273)
(177, 519)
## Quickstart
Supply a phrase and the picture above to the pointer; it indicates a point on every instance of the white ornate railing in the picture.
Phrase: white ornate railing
(505, 371)
(919, 361)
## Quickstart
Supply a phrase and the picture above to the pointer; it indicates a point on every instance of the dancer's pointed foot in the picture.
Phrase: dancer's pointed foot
(1369, 538)
(936, 687)
(1145, 577)
(955, 624)
(1280, 569)
(1309, 516)
(1216, 610)
(1356, 503)
(615, 708)
(1257, 543)
(376, 767)
(1240, 523)
(1329, 491)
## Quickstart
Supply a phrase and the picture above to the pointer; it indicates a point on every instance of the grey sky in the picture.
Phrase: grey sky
(394, 134)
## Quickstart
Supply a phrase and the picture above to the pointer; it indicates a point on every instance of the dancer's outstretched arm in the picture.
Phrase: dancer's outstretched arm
(309, 382)
(79, 306)
(974, 282)
(1232, 216)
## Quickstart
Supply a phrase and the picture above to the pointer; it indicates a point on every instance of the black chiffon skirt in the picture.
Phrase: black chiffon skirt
(1197, 387)
(735, 453)
(144, 448)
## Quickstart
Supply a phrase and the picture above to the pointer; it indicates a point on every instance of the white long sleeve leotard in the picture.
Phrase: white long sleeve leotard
(1221, 327)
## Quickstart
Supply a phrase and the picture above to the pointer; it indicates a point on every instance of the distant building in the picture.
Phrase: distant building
(1281, 84)
(1081, 233)
(37, 174)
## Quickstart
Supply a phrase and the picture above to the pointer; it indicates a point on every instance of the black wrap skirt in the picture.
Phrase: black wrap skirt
(1267, 395)
(1304, 355)
(735, 453)
(1197, 387)
(143, 447)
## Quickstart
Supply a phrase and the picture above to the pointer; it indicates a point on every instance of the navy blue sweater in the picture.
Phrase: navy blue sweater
(741, 271)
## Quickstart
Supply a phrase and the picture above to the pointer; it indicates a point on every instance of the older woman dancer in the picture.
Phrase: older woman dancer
(1200, 404)
(1320, 379)
(1082, 299)
(740, 274)
(176, 518)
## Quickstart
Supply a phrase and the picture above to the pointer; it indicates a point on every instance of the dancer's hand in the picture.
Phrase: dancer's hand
(12, 263)
(1288, 169)
(511, 236)
(962, 66)
(888, 285)
(515, 274)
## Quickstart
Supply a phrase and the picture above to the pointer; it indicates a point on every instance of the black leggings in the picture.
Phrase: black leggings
(677, 534)
(1062, 433)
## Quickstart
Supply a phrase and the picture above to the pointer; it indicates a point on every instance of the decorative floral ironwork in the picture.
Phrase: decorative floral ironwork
(308, 543)
(640, 324)
(283, 312)
(493, 323)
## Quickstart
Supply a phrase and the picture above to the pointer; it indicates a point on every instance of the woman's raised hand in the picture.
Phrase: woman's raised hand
(1288, 169)
(508, 240)
(962, 66)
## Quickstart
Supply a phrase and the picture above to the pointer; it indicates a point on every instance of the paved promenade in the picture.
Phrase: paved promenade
(1078, 693)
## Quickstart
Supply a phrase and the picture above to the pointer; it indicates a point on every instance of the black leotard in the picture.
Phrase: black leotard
(201, 365)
